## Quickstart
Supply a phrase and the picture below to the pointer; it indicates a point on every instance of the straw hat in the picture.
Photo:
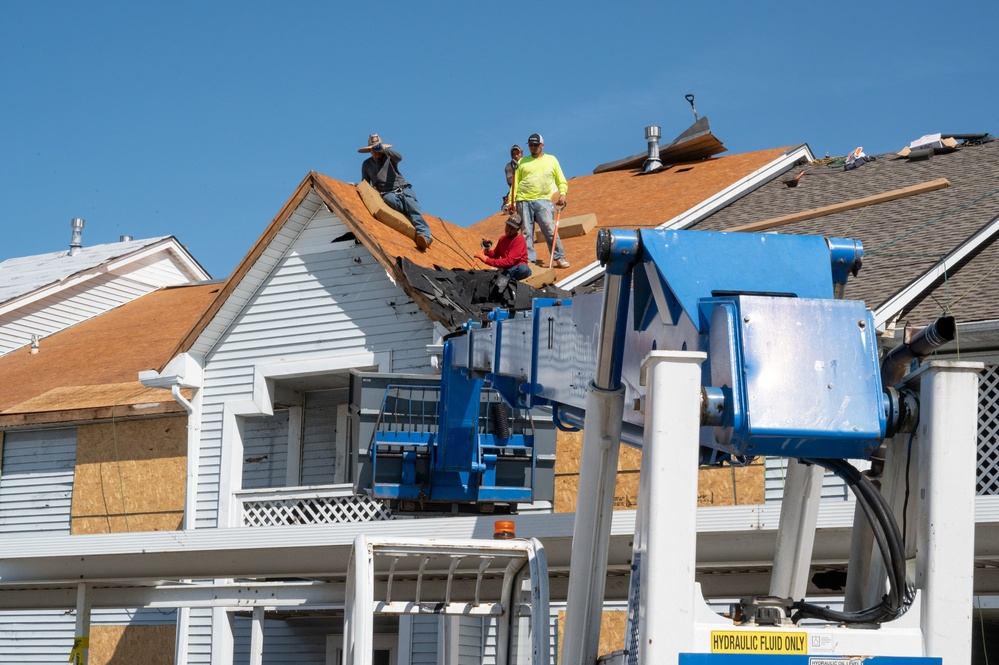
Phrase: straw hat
(374, 139)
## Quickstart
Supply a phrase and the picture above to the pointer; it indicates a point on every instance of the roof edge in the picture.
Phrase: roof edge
(244, 266)
(791, 156)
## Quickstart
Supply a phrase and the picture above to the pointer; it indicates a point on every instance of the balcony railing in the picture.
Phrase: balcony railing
(328, 504)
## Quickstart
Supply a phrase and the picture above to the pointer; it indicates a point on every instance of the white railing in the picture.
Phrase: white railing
(327, 504)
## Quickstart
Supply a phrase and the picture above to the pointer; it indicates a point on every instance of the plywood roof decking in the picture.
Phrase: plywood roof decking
(627, 199)
(904, 238)
(453, 246)
(107, 350)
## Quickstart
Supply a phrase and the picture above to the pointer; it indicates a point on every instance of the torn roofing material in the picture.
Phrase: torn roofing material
(696, 142)
(456, 296)
(904, 239)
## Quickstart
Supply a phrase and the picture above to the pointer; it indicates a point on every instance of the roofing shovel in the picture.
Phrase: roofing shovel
(558, 215)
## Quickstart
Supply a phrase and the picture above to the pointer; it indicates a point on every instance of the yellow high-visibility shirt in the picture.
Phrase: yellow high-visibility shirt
(537, 178)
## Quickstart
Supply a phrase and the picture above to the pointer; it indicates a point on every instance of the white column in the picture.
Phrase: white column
(591, 529)
(799, 512)
(81, 641)
(669, 470)
(358, 625)
(948, 429)
(257, 637)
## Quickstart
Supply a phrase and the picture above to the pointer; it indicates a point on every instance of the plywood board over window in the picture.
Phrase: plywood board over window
(127, 645)
(130, 476)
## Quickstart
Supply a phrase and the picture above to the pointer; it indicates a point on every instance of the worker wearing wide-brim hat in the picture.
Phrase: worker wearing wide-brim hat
(381, 171)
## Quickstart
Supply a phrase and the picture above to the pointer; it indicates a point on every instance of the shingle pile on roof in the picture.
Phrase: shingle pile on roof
(904, 238)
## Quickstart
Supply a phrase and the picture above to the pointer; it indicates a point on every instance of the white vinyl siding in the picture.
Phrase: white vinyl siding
(423, 639)
(88, 298)
(319, 300)
(833, 488)
(36, 481)
(265, 451)
(319, 456)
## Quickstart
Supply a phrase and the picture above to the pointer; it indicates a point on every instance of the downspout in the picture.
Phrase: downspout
(175, 391)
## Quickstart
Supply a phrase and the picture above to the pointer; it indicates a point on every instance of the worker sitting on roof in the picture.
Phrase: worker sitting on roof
(536, 177)
(381, 171)
(510, 252)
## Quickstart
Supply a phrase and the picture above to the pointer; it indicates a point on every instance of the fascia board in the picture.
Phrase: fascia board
(708, 206)
(169, 245)
(896, 303)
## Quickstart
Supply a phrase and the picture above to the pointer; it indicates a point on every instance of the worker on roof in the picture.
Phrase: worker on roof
(510, 252)
(511, 168)
(536, 178)
(381, 171)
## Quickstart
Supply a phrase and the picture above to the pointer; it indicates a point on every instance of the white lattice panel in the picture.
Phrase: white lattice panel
(988, 431)
(322, 510)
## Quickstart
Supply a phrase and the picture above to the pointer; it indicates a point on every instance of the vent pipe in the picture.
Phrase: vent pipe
(652, 162)
(76, 244)
(124, 238)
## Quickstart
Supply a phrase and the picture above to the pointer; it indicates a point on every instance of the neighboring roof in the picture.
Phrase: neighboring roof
(24, 275)
(96, 363)
(904, 238)
(628, 199)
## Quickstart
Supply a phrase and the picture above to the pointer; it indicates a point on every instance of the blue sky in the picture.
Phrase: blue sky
(199, 119)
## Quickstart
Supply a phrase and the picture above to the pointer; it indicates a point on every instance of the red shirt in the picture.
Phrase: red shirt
(508, 252)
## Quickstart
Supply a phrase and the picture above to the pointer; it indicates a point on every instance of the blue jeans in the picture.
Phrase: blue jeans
(406, 203)
(541, 211)
(519, 271)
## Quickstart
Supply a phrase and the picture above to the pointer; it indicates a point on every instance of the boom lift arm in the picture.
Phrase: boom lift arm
(732, 346)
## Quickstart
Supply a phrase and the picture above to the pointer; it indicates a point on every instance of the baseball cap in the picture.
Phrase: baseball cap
(534, 138)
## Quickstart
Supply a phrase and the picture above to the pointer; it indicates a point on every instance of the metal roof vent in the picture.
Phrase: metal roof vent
(124, 238)
(652, 135)
(76, 244)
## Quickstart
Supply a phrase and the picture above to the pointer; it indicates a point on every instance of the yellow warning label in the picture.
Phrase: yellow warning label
(744, 641)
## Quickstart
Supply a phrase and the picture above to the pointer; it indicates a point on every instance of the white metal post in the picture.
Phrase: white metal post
(257, 637)
(81, 637)
(358, 625)
(948, 427)
(799, 512)
(669, 470)
(591, 529)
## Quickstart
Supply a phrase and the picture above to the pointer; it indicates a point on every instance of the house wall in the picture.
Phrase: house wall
(88, 298)
(321, 302)
(45, 476)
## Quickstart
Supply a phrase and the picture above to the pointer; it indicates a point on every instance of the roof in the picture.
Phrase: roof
(453, 247)
(903, 238)
(23, 275)
(96, 363)
(629, 199)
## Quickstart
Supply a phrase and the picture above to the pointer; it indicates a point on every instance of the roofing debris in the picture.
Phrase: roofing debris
(905, 237)
(459, 295)
(695, 143)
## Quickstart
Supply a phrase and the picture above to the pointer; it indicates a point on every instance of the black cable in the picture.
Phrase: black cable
(890, 545)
